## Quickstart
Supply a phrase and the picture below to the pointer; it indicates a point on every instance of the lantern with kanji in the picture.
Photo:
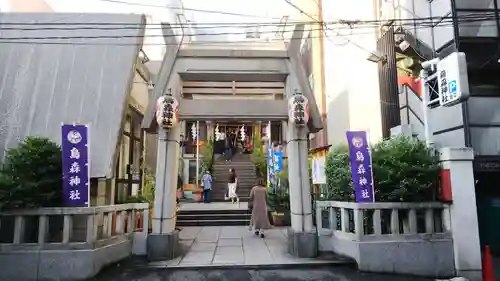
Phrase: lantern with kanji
(298, 109)
(167, 111)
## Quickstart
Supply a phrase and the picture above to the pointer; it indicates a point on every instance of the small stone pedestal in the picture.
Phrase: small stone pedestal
(302, 244)
(163, 246)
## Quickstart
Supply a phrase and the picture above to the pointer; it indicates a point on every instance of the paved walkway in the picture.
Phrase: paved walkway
(235, 245)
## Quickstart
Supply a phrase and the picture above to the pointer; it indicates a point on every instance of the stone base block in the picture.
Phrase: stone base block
(302, 244)
(470, 275)
(163, 246)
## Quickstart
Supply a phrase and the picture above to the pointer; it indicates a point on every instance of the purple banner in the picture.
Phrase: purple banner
(361, 166)
(75, 160)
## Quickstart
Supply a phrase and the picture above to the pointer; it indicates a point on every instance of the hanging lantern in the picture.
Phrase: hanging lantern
(194, 131)
(217, 133)
(242, 133)
(167, 111)
(298, 109)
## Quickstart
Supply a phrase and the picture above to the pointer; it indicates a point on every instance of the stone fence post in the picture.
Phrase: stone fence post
(458, 188)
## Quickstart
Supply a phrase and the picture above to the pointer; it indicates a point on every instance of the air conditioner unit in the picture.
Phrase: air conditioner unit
(404, 45)
(398, 38)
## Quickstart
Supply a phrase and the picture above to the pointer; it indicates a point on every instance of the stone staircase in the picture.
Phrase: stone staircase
(245, 170)
(213, 217)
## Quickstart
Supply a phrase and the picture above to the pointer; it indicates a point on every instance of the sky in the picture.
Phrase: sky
(261, 11)
(263, 8)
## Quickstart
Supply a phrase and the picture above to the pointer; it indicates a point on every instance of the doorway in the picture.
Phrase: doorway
(128, 169)
(232, 133)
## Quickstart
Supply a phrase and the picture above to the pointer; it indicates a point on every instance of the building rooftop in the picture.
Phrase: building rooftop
(66, 68)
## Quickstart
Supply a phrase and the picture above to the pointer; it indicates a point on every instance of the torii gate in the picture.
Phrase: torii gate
(188, 62)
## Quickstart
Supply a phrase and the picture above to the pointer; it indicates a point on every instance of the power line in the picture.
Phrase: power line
(323, 24)
(114, 36)
(347, 39)
(43, 39)
(348, 23)
(56, 40)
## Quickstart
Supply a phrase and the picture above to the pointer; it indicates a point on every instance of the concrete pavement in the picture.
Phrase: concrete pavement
(232, 253)
(223, 246)
(335, 273)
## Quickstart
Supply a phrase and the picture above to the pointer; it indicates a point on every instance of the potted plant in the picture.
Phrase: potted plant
(180, 187)
(198, 195)
(148, 193)
(259, 157)
(180, 193)
(278, 219)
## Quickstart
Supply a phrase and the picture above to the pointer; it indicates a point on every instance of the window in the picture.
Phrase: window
(190, 142)
(128, 167)
(475, 4)
(484, 28)
(192, 172)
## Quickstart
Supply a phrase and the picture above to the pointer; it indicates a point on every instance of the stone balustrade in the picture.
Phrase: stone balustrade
(405, 238)
(42, 243)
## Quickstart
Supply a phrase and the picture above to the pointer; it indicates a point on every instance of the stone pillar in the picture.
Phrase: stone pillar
(171, 177)
(302, 238)
(463, 213)
(163, 241)
(305, 181)
(161, 155)
(294, 180)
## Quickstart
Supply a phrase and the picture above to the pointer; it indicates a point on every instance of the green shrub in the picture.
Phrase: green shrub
(404, 170)
(148, 189)
(338, 175)
(207, 159)
(31, 175)
(259, 157)
(281, 198)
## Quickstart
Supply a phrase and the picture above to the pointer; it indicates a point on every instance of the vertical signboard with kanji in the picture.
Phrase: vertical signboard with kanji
(76, 168)
(270, 165)
(453, 81)
(278, 161)
(361, 166)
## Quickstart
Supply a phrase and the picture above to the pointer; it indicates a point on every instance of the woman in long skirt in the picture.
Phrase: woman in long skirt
(258, 199)
(232, 185)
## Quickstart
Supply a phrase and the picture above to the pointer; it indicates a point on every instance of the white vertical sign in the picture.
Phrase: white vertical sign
(453, 83)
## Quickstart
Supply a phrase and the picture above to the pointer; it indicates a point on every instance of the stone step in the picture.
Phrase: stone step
(222, 187)
(214, 212)
(240, 179)
(247, 178)
(213, 217)
(184, 223)
(239, 163)
(241, 192)
(210, 216)
(225, 172)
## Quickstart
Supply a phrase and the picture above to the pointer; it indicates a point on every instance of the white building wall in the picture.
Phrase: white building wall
(434, 34)
(352, 87)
